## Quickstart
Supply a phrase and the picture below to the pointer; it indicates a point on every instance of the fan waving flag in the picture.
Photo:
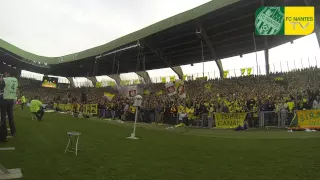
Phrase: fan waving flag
(109, 96)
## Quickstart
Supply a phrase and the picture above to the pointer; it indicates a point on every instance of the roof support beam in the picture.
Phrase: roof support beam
(145, 76)
(160, 54)
(178, 70)
(266, 55)
(117, 79)
(205, 37)
(93, 79)
(71, 82)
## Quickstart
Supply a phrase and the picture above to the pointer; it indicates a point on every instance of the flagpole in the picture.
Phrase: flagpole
(255, 50)
(202, 59)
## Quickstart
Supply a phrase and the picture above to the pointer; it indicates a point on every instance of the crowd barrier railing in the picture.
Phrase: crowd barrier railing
(275, 119)
(300, 118)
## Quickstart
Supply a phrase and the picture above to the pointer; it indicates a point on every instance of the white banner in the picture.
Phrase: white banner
(131, 91)
(180, 89)
(170, 88)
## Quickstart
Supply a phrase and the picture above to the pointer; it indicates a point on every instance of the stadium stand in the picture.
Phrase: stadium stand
(241, 94)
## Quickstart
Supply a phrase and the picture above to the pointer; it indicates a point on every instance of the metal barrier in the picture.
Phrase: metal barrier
(265, 119)
(275, 119)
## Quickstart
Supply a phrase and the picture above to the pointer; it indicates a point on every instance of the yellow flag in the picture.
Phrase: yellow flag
(208, 86)
(243, 70)
(125, 82)
(98, 84)
(111, 83)
(159, 93)
(146, 92)
(163, 79)
(184, 77)
(109, 96)
(225, 74)
(249, 71)
(172, 78)
(136, 81)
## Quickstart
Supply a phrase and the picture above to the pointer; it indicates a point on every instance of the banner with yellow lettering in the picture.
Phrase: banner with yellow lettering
(225, 74)
(243, 70)
(229, 120)
(249, 71)
(309, 118)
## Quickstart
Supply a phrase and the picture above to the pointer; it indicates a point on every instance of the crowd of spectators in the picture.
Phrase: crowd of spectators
(295, 90)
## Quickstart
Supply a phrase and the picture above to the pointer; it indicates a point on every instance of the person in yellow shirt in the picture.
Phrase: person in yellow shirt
(190, 112)
(23, 102)
(36, 108)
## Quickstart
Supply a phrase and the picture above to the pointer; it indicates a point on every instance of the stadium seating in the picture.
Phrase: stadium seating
(228, 95)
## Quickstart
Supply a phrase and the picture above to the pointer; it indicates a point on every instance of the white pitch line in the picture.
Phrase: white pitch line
(7, 148)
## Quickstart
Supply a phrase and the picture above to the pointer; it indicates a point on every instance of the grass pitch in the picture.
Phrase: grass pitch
(159, 154)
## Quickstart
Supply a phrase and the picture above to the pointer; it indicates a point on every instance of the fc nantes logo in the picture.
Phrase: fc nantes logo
(284, 20)
(269, 20)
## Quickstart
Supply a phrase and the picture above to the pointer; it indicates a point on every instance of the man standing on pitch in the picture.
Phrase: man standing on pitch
(9, 95)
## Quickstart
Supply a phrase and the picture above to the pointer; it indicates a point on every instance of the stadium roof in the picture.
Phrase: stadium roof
(228, 24)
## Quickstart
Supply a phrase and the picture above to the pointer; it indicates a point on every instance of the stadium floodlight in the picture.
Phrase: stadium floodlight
(137, 104)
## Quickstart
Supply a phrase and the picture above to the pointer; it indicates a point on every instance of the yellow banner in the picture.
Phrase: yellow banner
(208, 86)
(184, 77)
(111, 83)
(243, 70)
(172, 78)
(225, 74)
(136, 81)
(109, 96)
(249, 71)
(146, 92)
(205, 78)
(229, 120)
(159, 93)
(91, 109)
(309, 118)
(98, 84)
(125, 82)
(163, 79)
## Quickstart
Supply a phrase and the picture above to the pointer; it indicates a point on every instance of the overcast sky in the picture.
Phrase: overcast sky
(60, 27)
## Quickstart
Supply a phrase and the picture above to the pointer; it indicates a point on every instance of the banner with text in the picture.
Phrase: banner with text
(309, 118)
(229, 120)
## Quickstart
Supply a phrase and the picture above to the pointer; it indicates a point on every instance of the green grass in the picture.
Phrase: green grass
(160, 154)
